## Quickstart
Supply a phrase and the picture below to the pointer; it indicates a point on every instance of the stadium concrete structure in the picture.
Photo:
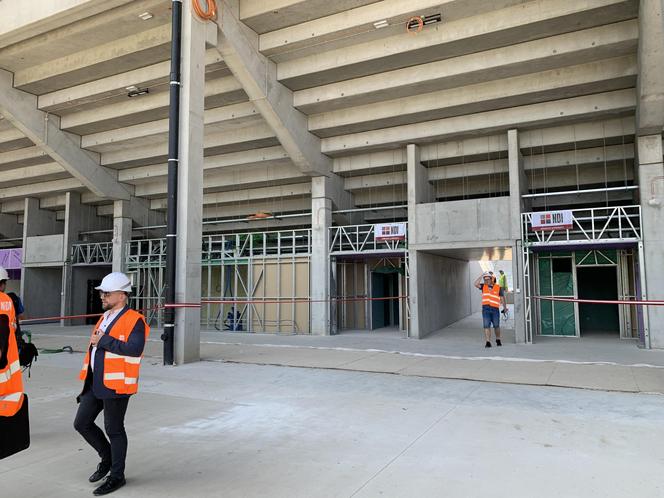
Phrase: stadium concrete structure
(303, 125)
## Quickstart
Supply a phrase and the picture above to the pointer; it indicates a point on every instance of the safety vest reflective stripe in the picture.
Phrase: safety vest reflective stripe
(120, 376)
(10, 404)
(11, 397)
(127, 359)
(14, 367)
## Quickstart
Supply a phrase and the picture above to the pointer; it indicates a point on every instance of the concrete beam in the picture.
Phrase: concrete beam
(21, 109)
(650, 109)
(92, 63)
(20, 24)
(239, 210)
(266, 16)
(503, 62)
(27, 156)
(534, 115)
(270, 155)
(519, 23)
(154, 76)
(28, 174)
(259, 135)
(239, 47)
(357, 25)
(221, 91)
(303, 221)
(236, 177)
(246, 195)
(222, 118)
(40, 188)
(594, 77)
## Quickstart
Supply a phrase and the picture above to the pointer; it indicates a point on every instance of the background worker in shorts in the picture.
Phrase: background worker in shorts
(491, 294)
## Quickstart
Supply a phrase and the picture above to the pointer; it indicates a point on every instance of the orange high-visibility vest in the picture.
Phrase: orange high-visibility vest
(120, 372)
(491, 296)
(11, 381)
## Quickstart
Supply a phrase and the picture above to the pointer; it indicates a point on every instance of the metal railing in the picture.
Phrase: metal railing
(350, 239)
(95, 253)
(256, 244)
(599, 225)
(146, 253)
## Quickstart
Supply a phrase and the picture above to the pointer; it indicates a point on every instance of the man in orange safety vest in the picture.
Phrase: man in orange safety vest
(491, 297)
(11, 381)
(110, 374)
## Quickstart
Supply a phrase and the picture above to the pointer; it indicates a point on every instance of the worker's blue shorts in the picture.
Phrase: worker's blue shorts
(490, 316)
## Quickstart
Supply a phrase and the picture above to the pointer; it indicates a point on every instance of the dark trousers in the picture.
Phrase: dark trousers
(114, 409)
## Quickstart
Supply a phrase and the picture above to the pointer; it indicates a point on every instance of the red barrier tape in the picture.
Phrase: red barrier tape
(600, 301)
(222, 301)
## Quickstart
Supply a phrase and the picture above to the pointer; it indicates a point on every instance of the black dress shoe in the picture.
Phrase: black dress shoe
(110, 484)
(102, 470)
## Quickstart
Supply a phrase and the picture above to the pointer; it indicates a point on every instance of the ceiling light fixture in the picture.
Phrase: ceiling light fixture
(134, 91)
(381, 24)
(145, 16)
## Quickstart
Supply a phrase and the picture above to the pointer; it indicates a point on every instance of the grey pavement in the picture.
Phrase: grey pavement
(457, 352)
(243, 430)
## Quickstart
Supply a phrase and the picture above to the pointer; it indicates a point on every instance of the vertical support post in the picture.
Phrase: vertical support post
(651, 182)
(39, 285)
(190, 189)
(321, 219)
(122, 225)
(518, 187)
(419, 191)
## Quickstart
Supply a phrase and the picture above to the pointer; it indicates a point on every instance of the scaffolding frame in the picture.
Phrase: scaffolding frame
(241, 258)
(591, 227)
(361, 239)
(92, 254)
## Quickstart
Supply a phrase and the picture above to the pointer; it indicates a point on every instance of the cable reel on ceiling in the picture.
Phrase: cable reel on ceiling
(208, 13)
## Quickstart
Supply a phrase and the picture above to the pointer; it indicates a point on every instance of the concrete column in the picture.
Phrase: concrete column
(419, 191)
(651, 183)
(125, 214)
(190, 189)
(650, 86)
(78, 218)
(41, 288)
(321, 219)
(122, 225)
(518, 187)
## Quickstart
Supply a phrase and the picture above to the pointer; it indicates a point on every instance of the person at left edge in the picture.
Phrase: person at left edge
(110, 374)
(11, 381)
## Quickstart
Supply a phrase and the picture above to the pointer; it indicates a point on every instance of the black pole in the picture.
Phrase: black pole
(173, 160)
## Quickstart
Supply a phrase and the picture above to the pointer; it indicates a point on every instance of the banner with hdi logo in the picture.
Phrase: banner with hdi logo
(552, 220)
(389, 231)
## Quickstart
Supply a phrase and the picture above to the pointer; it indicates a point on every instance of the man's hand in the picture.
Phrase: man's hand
(96, 336)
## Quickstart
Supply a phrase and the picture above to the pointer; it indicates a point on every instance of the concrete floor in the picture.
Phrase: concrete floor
(219, 429)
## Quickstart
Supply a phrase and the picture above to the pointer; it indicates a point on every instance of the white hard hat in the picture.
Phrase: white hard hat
(486, 274)
(116, 281)
(3, 274)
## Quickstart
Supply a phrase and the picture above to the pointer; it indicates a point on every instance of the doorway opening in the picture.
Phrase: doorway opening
(384, 292)
(601, 283)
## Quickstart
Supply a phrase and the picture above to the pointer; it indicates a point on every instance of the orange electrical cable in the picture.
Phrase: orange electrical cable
(207, 14)
(420, 25)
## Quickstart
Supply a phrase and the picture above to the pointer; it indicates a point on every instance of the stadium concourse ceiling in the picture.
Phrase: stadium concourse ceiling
(364, 81)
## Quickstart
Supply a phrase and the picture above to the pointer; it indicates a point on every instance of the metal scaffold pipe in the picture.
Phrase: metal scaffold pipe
(173, 160)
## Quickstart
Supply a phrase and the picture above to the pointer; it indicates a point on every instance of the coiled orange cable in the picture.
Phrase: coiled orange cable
(208, 14)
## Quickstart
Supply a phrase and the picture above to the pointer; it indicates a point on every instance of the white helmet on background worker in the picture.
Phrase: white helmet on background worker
(116, 281)
(3, 274)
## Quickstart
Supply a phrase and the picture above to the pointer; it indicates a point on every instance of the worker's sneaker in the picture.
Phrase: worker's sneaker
(498, 343)
(102, 470)
(110, 484)
(487, 345)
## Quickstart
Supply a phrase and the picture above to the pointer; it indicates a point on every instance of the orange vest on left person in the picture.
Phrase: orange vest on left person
(11, 381)
(120, 372)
